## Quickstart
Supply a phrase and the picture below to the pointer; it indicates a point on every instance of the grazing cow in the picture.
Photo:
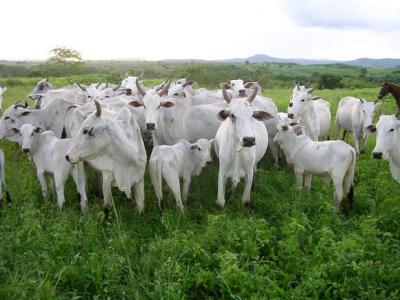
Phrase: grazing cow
(3, 179)
(182, 160)
(114, 147)
(171, 120)
(355, 115)
(238, 88)
(240, 143)
(50, 117)
(2, 91)
(311, 111)
(334, 159)
(388, 143)
(47, 153)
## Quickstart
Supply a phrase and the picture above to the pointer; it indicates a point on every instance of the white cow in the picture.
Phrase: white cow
(42, 87)
(313, 112)
(238, 88)
(114, 147)
(355, 115)
(388, 143)
(334, 159)
(50, 117)
(240, 143)
(3, 179)
(182, 89)
(47, 153)
(171, 120)
(2, 91)
(182, 160)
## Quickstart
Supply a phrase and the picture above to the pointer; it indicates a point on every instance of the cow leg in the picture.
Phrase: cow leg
(53, 187)
(344, 135)
(99, 188)
(108, 200)
(274, 151)
(299, 179)
(43, 184)
(60, 193)
(175, 186)
(338, 195)
(78, 174)
(307, 181)
(362, 144)
(337, 129)
(253, 183)
(139, 196)
(221, 188)
(247, 190)
(397, 113)
(185, 188)
(356, 141)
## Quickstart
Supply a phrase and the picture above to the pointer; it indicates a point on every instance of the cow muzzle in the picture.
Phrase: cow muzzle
(377, 155)
(290, 116)
(242, 93)
(150, 126)
(128, 92)
(249, 141)
(26, 150)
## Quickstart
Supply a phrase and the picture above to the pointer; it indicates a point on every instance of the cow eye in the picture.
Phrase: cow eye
(233, 116)
(85, 131)
(302, 100)
(199, 149)
(233, 84)
(89, 96)
(32, 134)
(391, 130)
(6, 118)
(176, 94)
(107, 96)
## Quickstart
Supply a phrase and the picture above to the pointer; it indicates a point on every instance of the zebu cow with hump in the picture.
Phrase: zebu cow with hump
(329, 159)
(355, 115)
(170, 120)
(311, 111)
(238, 88)
(114, 147)
(182, 89)
(388, 143)
(240, 143)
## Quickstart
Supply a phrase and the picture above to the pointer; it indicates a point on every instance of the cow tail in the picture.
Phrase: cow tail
(349, 179)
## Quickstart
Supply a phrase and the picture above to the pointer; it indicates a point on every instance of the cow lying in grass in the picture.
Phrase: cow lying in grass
(388, 143)
(48, 152)
(334, 159)
(182, 160)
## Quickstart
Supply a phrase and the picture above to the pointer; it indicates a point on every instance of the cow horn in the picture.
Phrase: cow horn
(164, 89)
(255, 92)
(225, 94)
(161, 86)
(298, 86)
(310, 90)
(82, 88)
(39, 102)
(116, 88)
(26, 104)
(98, 108)
(98, 85)
(139, 88)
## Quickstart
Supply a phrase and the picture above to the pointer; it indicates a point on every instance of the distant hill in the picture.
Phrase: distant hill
(364, 62)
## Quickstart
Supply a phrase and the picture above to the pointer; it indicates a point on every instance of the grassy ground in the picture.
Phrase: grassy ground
(294, 245)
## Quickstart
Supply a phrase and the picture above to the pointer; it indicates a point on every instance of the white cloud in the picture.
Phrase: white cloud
(204, 30)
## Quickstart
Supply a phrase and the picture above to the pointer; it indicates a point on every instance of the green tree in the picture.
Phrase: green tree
(67, 58)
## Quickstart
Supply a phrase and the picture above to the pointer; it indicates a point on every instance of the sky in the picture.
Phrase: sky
(206, 29)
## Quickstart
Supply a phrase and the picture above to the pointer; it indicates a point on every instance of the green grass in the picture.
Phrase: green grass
(294, 244)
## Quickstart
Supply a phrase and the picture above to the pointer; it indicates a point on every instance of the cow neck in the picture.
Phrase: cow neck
(395, 151)
(309, 116)
(38, 142)
(289, 144)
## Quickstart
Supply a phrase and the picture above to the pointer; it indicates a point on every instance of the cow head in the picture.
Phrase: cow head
(201, 151)
(300, 103)
(241, 114)
(178, 87)
(93, 137)
(129, 84)
(388, 134)
(10, 119)
(285, 131)
(368, 110)
(239, 88)
(28, 135)
(41, 88)
(152, 103)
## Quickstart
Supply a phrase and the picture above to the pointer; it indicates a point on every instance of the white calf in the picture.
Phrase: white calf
(240, 143)
(388, 143)
(48, 152)
(182, 160)
(3, 179)
(355, 115)
(335, 159)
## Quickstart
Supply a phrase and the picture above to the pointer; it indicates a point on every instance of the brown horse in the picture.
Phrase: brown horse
(393, 89)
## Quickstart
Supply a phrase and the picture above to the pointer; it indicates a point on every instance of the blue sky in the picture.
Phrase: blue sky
(207, 29)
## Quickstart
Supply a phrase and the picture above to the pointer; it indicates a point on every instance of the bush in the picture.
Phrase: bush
(329, 81)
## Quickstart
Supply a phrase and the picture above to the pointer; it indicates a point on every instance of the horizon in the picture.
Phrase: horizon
(153, 31)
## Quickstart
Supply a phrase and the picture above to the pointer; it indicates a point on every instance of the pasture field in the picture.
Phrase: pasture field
(295, 244)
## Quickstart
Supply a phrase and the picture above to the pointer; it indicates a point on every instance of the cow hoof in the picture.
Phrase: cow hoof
(247, 207)
(8, 197)
(162, 205)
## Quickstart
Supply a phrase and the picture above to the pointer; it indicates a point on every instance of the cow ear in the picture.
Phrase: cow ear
(371, 128)
(191, 82)
(167, 104)
(195, 147)
(25, 113)
(16, 130)
(38, 129)
(315, 98)
(225, 84)
(223, 114)
(310, 90)
(135, 103)
(249, 85)
(262, 115)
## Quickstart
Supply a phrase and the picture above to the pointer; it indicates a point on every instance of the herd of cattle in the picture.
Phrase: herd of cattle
(111, 128)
